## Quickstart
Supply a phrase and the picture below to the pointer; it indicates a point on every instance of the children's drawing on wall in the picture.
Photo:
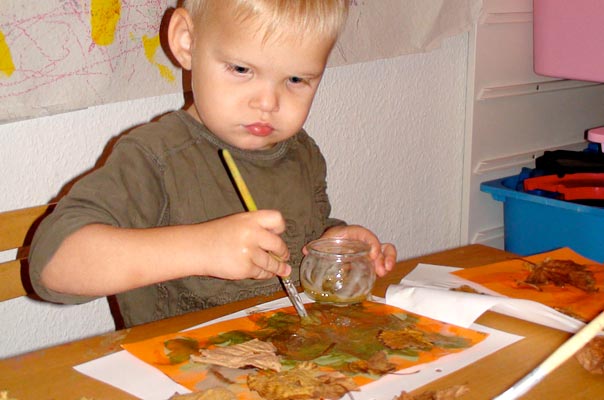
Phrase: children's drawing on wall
(63, 55)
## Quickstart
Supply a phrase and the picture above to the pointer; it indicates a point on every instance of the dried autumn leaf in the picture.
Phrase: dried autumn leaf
(450, 393)
(378, 364)
(404, 339)
(560, 273)
(305, 381)
(254, 353)
(591, 356)
(465, 289)
(210, 394)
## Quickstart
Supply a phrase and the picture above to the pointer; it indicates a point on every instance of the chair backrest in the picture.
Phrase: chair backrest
(16, 231)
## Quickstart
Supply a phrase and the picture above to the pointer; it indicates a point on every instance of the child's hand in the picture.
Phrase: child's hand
(247, 245)
(383, 255)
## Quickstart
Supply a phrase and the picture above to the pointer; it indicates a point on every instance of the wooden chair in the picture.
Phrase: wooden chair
(16, 231)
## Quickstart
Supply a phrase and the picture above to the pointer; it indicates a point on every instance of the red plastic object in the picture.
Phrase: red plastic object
(581, 186)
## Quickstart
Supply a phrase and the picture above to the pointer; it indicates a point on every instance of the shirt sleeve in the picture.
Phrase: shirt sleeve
(321, 197)
(126, 192)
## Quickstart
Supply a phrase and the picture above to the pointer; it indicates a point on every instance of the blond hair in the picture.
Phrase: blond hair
(318, 17)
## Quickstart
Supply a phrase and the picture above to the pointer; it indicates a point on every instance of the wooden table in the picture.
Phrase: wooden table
(49, 373)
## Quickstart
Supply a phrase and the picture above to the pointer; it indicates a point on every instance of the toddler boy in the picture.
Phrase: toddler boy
(160, 225)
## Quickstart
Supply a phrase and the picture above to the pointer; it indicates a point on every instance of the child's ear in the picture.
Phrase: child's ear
(180, 37)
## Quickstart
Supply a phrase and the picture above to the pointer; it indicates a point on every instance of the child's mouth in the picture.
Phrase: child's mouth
(259, 129)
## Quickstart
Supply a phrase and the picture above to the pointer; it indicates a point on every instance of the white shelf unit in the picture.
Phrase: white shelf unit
(512, 114)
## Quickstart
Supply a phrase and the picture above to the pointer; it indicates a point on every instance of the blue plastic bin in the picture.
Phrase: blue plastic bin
(535, 224)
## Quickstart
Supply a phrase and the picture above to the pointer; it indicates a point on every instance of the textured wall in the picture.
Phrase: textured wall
(391, 130)
(392, 133)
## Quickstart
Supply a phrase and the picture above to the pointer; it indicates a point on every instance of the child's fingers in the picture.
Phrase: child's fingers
(379, 266)
(385, 260)
(389, 252)
(269, 265)
(271, 220)
(274, 245)
(261, 274)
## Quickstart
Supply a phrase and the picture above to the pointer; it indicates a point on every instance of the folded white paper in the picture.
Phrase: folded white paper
(426, 291)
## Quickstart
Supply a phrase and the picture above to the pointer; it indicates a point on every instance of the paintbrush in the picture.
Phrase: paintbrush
(250, 204)
(562, 353)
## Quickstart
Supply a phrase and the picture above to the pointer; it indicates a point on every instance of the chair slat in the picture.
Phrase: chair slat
(16, 231)
(15, 225)
(11, 285)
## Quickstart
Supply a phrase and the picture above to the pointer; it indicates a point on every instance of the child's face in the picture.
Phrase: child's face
(250, 92)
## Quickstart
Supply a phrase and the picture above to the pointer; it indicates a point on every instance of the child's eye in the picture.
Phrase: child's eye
(238, 69)
(296, 80)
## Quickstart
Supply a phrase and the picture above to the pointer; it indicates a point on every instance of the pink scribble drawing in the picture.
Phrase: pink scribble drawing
(53, 51)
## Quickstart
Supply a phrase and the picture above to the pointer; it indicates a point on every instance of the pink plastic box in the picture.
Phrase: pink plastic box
(568, 39)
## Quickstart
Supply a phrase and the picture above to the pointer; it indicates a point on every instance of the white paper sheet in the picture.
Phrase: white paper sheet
(131, 375)
(425, 291)
(391, 28)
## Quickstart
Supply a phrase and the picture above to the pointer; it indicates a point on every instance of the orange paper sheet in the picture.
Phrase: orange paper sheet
(161, 353)
(504, 277)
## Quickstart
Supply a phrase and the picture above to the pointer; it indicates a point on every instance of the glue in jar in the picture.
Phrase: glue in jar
(337, 271)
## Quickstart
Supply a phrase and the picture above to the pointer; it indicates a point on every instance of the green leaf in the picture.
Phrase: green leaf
(180, 349)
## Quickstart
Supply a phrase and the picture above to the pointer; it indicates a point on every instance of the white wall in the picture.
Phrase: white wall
(391, 130)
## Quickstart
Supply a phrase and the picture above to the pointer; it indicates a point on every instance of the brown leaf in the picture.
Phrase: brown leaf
(378, 364)
(404, 339)
(254, 353)
(560, 273)
(305, 381)
(210, 394)
(591, 356)
(449, 393)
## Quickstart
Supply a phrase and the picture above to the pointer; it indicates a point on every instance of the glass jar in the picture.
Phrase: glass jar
(337, 271)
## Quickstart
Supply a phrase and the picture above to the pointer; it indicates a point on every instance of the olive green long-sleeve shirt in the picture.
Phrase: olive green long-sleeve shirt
(169, 172)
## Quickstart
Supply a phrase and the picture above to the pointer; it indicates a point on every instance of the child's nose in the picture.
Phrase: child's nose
(266, 99)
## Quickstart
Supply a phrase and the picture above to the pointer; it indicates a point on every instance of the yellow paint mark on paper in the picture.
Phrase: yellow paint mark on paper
(104, 16)
(7, 67)
(151, 44)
